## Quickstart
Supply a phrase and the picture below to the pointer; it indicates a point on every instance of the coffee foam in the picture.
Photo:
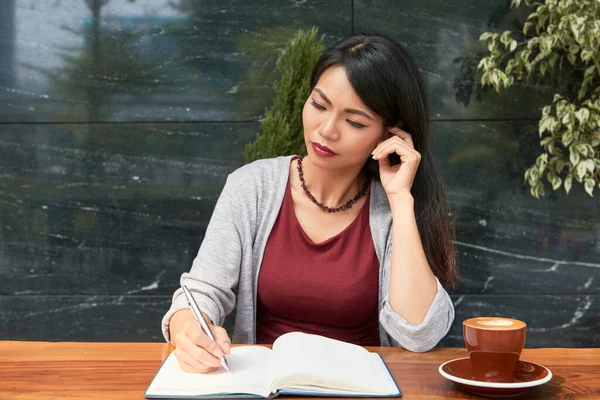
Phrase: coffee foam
(498, 323)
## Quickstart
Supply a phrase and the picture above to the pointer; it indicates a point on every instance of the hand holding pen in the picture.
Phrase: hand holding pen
(200, 345)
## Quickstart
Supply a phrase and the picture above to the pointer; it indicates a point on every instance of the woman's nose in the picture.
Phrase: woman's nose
(328, 129)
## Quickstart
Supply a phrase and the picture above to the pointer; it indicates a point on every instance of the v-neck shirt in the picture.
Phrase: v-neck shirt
(328, 288)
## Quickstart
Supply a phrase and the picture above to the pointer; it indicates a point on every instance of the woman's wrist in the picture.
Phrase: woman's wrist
(177, 320)
(401, 202)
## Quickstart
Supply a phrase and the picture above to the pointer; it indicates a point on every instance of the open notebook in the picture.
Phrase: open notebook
(298, 364)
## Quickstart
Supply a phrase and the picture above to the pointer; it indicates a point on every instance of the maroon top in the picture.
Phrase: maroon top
(329, 288)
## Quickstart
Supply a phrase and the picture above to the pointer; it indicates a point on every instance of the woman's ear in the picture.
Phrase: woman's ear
(388, 134)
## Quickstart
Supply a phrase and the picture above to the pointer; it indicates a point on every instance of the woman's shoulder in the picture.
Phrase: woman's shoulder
(261, 174)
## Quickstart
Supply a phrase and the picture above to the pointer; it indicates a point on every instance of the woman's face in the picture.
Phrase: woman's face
(339, 130)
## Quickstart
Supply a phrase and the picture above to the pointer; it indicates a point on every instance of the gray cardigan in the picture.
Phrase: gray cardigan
(224, 274)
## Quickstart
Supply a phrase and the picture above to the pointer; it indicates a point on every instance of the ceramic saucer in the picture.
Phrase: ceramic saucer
(528, 376)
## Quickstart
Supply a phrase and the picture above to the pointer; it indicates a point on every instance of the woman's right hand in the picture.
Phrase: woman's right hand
(194, 350)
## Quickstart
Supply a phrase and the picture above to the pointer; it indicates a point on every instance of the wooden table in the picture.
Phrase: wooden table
(112, 371)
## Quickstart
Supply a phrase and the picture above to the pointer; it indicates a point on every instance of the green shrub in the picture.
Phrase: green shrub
(281, 129)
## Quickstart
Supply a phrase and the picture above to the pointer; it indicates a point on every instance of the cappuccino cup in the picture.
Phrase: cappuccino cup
(494, 345)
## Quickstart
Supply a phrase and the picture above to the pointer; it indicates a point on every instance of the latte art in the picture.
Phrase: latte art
(496, 322)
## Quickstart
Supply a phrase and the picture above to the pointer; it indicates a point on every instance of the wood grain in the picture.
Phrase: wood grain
(36, 370)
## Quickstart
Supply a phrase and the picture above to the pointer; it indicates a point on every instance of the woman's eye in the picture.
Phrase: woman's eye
(356, 124)
(317, 105)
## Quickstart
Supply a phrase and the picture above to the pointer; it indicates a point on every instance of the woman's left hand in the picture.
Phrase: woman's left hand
(397, 180)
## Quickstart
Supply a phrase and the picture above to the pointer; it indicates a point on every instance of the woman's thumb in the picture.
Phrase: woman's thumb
(222, 339)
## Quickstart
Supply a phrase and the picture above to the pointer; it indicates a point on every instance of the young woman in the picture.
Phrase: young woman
(343, 242)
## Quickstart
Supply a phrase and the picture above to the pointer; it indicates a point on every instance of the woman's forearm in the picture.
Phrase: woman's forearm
(412, 283)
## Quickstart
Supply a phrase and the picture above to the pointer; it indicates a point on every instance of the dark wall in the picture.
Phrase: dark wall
(119, 124)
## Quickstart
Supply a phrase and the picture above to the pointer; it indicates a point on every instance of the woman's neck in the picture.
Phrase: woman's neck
(331, 187)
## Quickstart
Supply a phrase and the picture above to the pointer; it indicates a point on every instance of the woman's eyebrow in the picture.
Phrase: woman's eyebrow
(348, 110)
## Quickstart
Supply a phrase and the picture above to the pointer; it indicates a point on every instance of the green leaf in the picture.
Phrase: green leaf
(589, 186)
(539, 189)
(590, 165)
(583, 115)
(484, 79)
(586, 54)
(485, 36)
(545, 141)
(513, 45)
(554, 180)
(568, 118)
(573, 156)
(526, 27)
(568, 183)
(495, 80)
(546, 110)
(581, 171)
(543, 68)
(583, 150)
(567, 138)
(556, 183)
(552, 62)
(534, 176)
(546, 124)
(541, 163)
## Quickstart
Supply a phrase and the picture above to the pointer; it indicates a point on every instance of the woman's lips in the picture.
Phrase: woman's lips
(322, 151)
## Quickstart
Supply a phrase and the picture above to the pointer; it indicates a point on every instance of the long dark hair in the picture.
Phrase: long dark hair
(388, 81)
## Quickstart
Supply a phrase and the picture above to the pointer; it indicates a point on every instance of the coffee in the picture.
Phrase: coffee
(497, 323)
(494, 345)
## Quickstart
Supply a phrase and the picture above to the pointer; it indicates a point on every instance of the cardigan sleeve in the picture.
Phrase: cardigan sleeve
(215, 271)
(425, 336)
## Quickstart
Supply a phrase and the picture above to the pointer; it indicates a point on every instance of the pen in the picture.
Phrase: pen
(198, 314)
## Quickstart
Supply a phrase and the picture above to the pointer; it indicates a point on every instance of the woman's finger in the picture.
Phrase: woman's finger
(196, 352)
(222, 338)
(189, 364)
(383, 144)
(392, 146)
(407, 137)
(200, 338)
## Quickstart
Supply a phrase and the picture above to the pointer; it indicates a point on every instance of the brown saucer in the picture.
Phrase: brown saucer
(528, 376)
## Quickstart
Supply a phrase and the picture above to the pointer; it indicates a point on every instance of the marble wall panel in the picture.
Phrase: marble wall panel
(508, 241)
(553, 320)
(443, 37)
(98, 220)
(153, 60)
(83, 318)
(109, 208)
(116, 208)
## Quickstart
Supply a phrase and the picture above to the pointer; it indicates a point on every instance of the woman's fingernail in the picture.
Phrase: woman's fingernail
(226, 347)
